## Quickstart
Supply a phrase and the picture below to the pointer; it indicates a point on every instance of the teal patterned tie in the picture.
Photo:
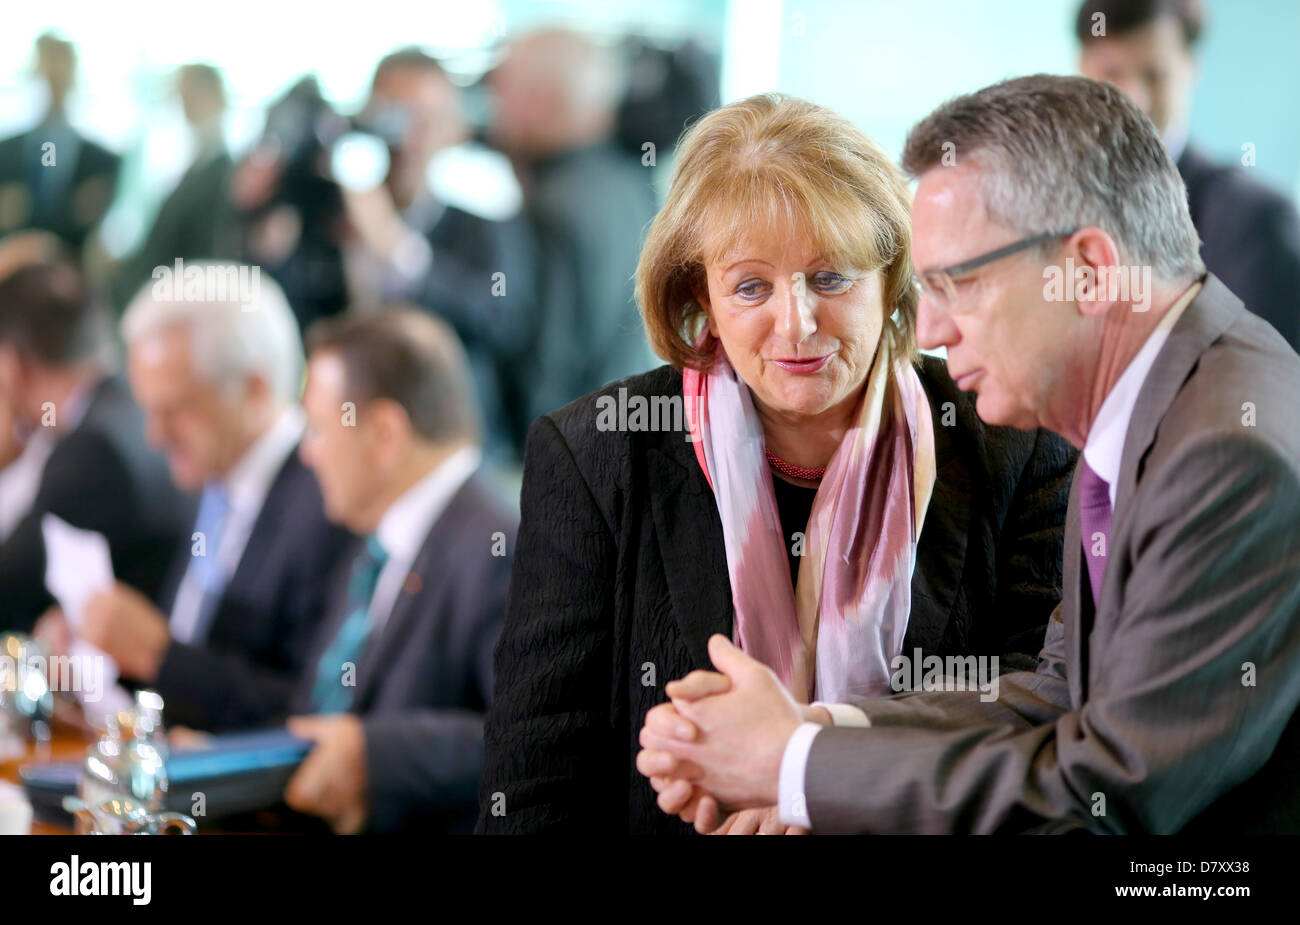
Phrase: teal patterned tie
(329, 694)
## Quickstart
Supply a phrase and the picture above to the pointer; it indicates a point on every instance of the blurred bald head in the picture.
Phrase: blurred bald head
(556, 89)
(56, 63)
(202, 92)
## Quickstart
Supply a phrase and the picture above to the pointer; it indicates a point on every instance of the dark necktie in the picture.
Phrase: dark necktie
(1094, 525)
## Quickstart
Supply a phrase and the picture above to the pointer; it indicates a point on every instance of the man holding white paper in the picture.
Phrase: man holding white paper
(218, 382)
(99, 475)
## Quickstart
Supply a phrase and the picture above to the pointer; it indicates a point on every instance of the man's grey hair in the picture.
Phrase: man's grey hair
(1060, 153)
(230, 339)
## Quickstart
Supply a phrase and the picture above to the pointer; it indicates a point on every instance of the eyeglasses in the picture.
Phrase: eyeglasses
(939, 285)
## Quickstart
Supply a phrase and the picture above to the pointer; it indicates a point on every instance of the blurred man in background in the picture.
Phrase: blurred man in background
(401, 672)
(22, 454)
(408, 246)
(1250, 234)
(219, 382)
(556, 95)
(195, 221)
(288, 211)
(50, 176)
(55, 362)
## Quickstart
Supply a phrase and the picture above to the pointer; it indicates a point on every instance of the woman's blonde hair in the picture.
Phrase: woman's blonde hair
(774, 161)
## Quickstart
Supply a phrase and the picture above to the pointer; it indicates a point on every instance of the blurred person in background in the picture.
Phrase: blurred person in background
(195, 219)
(22, 454)
(407, 246)
(1250, 234)
(556, 96)
(288, 211)
(218, 382)
(401, 671)
(17, 483)
(55, 378)
(51, 177)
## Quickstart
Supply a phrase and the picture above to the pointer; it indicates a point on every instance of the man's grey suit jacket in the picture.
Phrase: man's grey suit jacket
(1169, 706)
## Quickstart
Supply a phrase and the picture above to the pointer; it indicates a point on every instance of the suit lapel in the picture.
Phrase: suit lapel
(1203, 321)
(1072, 615)
(941, 550)
(265, 533)
(423, 578)
(693, 551)
(429, 574)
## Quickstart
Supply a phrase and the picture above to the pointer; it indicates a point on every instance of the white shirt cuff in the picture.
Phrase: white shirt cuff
(844, 714)
(792, 803)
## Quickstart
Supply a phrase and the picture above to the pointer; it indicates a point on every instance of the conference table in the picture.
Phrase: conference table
(69, 740)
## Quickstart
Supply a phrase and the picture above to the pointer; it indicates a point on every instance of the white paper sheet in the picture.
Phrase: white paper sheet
(77, 567)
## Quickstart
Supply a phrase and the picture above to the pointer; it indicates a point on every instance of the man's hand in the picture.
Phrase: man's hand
(331, 782)
(733, 738)
(183, 738)
(123, 623)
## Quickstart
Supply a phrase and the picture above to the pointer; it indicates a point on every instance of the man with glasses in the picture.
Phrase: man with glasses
(1166, 692)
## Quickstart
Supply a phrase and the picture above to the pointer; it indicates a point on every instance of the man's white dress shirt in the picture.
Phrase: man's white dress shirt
(247, 485)
(406, 524)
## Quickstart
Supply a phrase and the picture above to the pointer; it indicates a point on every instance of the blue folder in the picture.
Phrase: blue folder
(237, 773)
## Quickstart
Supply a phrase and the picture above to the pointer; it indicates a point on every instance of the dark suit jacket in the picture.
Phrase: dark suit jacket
(100, 476)
(621, 578)
(83, 200)
(194, 222)
(493, 323)
(588, 209)
(1250, 238)
(1171, 704)
(423, 684)
(246, 669)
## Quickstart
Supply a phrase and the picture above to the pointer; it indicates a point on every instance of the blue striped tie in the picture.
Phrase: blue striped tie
(329, 694)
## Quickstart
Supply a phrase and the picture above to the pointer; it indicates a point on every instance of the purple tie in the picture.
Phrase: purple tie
(1094, 518)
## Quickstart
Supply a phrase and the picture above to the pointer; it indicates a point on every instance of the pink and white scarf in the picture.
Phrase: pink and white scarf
(835, 642)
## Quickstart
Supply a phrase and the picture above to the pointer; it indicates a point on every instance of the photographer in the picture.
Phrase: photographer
(370, 243)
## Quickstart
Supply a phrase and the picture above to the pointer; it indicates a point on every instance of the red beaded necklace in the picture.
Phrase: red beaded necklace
(790, 470)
